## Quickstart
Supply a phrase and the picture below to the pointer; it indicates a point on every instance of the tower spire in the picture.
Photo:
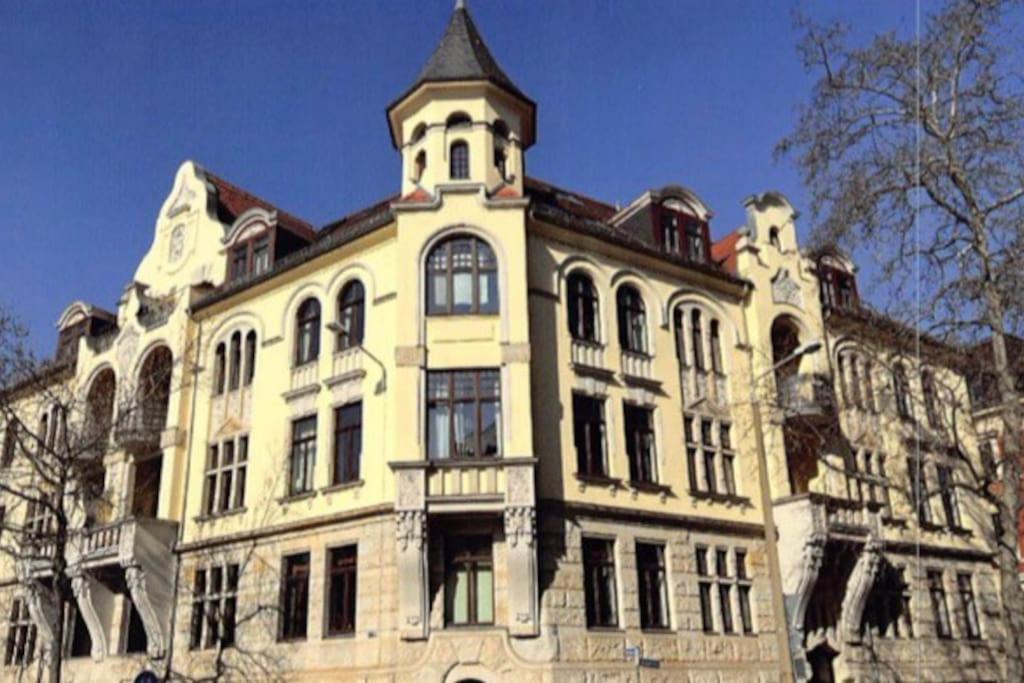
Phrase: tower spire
(460, 4)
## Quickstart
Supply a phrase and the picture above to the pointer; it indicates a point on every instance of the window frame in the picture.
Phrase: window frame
(302, 450)
(341, 586)
(214, 606)
(219, 470)
(643, 466)
(940, 607)
(458, 160)
(478, 269)
(600, 585)
(474, 553)
(631, 312)
(347, 469)
(583, 307)
(294, 620)
(307, 323)
(583, 429)
(451, 402)
(968, 606)
(652, 586)
(351, 326)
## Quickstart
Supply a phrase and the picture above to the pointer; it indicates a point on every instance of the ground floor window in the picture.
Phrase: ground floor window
(652, 584)
(295, 596)
(214, 606)
(77, 641)
(21, 635)
(341, 598)
(599, 582)
(940, 610)
(469, 581)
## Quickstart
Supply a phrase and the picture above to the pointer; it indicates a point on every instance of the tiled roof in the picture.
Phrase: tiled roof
(233, 201)
(462, 55)
(723, 252)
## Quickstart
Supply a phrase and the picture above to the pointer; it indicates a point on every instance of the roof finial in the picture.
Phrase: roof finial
(460, 4)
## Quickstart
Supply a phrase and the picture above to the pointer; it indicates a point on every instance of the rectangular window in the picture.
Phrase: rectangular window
(303, 456)
(341, 598)
(918, 473)
(947, 491)
(469, 581)
(463, 414)
(670, 232)
(704, 585)
(261, 255)
(653, 585)
(972, 627)
(940, 612)
(599, 582)
(10, 442)
(239, 261)
(639, 423)
(295, 597)
(224, 480)
(214, 607)
(695, 244)
(348, 442)
(710, 460)
(743, 588)
(724, 589)
(21, 635)
(589, 435)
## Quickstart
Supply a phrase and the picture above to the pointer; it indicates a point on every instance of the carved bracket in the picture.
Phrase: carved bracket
(410, 529)
(136, 580)
(857, 589)
(813, 555)
(520, 525)
(86, 607)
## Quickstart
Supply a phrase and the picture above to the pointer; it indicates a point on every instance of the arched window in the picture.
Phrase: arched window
(459, 160)
(582, 307)
(100, 404)
(420, 165)
(351, 303)
(697, 339)
(500, 160)
(844, 385)
(773, 237)
(235, 365)
(458, 119)
(462, 277)
(500, 129)
(417, 133)
(716, 347)
(307, 337)
(219, 369)
(855, 380)
(501, 136)
(250, 357)
(901, 392)
(931, 407)
(632, 320)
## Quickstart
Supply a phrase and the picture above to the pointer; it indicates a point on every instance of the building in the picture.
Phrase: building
(489, 428)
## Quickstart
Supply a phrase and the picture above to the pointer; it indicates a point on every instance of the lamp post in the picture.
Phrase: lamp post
(771, 535)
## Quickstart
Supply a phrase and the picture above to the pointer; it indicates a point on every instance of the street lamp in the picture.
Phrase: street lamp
(771, 535)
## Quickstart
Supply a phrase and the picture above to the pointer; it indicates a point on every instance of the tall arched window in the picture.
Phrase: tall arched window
(220, 363)
(307, 337)
(501, 135)
(931, 407)
(420, 165)
(869, 387)
(250, 357)
(351, 304)
(716, 347)
(632, 320)
(235, 365)
(458, 159)
(462, 277)
(697, 339)
(855, 380)
(901, 392)
(583, 318)
(418, 132)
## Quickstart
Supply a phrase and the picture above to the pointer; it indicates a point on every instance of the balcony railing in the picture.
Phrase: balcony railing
(139, 429)
(305, 375)
(638, 365)
(347, 363)
(807, 396)
(469, 484)
(587, 354)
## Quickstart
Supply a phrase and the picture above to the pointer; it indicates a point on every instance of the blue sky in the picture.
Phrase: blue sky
(103, 100)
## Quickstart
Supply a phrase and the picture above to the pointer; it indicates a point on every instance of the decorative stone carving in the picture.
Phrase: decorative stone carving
(411, 489)
(410, 529)
(176, 244)
(520, 525)
(182, 200)
(785, 290)
(136, 580)
(857, 588)
(519, 489)
(87, 608)
(515, 353)
(127, 347)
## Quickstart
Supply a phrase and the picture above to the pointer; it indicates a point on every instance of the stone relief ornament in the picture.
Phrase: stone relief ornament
(410, 489)
(520, 485)
(519, 525)
(177, 244)
(410, 529)
(182, 200)
(785, 290)
(127, 346)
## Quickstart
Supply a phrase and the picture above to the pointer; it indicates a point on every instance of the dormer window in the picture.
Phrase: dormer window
(251, 257)
(679, 232)
(459, 160)
(697, 247)
(838, 288)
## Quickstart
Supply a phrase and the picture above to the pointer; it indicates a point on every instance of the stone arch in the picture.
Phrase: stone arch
(470, 673)
(494, 242)
(295, 299)
(652, 303)
(586, 267)
(236, 322)
(694, 297)
(646, 287)
(353, 271)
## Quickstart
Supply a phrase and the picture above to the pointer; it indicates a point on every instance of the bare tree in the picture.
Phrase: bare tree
(54, 487)
(913, 147)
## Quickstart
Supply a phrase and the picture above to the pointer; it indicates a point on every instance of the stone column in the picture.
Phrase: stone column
(521, 551)
(411, 553)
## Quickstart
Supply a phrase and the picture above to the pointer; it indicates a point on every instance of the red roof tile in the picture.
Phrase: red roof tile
(237, 201)
(723, 251)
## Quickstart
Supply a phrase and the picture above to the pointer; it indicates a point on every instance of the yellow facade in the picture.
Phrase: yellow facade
(687, 531)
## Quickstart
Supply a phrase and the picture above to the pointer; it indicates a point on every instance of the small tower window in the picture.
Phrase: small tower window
(773, 237)
(418, 133)
(420, 166)
(500, 161)
(459, 160)
(458, 119)
(501, 136)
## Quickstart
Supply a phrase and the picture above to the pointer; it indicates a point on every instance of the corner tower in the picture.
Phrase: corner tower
(463, 121)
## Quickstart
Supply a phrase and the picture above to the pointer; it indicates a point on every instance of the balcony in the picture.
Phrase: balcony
(810, 514)
(587, 356)
(637, 366)
(139, 430)
(807, 396)
(346, 364)
(468, 485)
(305, 378)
